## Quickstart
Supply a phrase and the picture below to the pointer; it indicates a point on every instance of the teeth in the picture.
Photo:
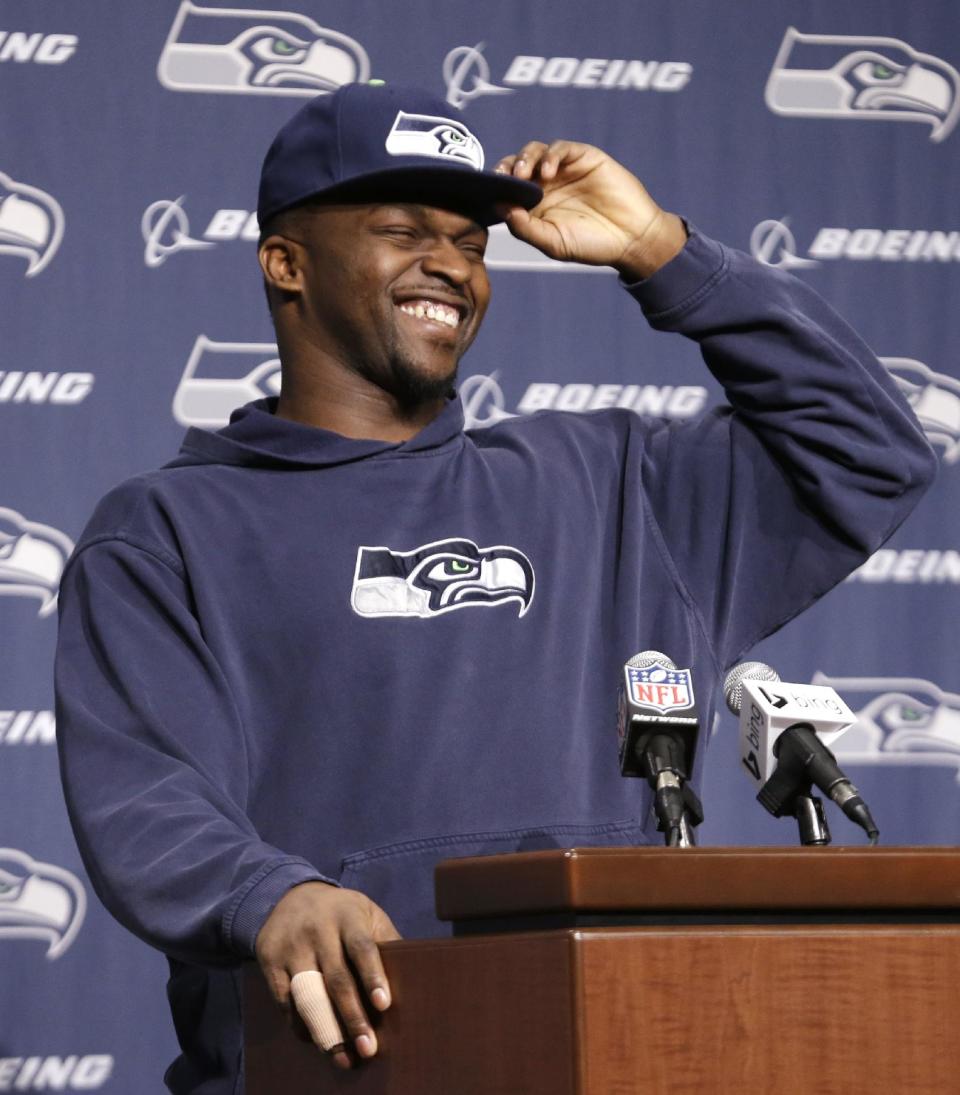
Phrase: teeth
(439, 313)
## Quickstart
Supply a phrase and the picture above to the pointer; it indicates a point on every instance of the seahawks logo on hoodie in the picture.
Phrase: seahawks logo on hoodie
(438, 578)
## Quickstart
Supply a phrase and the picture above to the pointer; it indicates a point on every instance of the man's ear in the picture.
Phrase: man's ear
(281, 261)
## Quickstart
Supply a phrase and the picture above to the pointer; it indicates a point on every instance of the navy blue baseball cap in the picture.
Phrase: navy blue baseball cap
(369, 142)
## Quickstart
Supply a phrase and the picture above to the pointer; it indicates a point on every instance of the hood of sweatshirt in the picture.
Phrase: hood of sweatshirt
(256, 437)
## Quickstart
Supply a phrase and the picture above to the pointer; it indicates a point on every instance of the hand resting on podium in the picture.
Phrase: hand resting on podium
(318, 927)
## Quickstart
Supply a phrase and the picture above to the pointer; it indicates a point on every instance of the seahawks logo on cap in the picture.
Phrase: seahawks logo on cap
(440, 138)
(438, 578)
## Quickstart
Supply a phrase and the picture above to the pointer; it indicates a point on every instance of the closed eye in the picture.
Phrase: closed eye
(399, 232)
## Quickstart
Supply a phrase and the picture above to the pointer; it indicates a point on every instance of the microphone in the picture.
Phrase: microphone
(785, 733)
(657, 727)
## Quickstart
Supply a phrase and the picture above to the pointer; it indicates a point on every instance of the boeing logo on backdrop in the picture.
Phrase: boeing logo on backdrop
(773, 243)
(913, 566)
(166, 230)
(39, 901)
(868, 77)
(40, 48)
(33, 387)
(902, 721)
(221, 376)
(32, 558)
(466, 74)
(27, 728)
(76, 1072)
(256, 51)
(31, 224)
(484, 402)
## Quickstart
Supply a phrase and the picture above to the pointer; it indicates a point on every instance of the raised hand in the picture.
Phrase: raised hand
(593, 210)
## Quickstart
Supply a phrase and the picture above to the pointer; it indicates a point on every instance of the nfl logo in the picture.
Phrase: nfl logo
(661, 688)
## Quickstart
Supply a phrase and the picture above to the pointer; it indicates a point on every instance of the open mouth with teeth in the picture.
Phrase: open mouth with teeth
(443, 314)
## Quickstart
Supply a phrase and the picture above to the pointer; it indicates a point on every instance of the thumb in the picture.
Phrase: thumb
(537, 232)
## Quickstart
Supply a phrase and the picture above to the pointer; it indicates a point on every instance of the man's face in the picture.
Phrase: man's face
(394, 292)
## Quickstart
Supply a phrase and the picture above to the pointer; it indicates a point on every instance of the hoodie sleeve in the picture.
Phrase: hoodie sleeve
(764, 506)
(153, 761)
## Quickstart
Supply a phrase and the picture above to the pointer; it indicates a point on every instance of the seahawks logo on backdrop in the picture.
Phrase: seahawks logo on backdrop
(440, 138)
(32, 558)
(221, 376)
(39, 901)
(257, 51)
(902, 721)
(438, 578)
(31, 223)
(864, 77)
(935, 399)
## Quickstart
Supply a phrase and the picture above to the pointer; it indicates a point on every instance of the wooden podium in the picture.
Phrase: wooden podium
(614, 971)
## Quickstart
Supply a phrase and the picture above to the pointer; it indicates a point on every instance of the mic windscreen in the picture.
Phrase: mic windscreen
(745, 671)
(651, 657)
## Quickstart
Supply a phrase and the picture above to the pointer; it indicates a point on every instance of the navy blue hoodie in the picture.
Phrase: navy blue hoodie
(290, 655)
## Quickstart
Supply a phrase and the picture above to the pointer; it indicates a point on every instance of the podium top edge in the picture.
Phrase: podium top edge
(732, 851)
(716, 879)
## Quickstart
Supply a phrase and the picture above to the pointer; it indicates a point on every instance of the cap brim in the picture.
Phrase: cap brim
(481, 195)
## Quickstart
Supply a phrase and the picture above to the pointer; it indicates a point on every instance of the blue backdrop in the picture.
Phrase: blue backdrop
(824, 137)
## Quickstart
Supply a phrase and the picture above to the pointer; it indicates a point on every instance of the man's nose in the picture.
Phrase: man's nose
(444, 259)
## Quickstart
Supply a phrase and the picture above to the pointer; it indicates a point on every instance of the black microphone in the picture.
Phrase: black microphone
(657, 727)
(782, 747)
(803, 758)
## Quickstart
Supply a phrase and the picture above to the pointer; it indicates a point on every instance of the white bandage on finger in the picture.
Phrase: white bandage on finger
(313, 1005)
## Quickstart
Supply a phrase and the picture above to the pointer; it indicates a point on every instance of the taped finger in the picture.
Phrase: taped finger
(313, 1006)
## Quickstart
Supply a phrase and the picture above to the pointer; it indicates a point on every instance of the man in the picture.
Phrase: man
(342, 639)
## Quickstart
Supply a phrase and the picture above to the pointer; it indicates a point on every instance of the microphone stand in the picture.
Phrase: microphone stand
(692, 816)
(808, 810)
(677, 807)
(788, 793)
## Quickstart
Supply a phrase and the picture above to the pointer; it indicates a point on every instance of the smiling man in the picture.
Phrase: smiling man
(334, 642)
(376, 302)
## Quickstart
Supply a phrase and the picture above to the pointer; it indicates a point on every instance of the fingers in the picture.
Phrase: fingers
(346, 1001)
(541, 162)
(315, 947)
(365, 957)
(313, 1006)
